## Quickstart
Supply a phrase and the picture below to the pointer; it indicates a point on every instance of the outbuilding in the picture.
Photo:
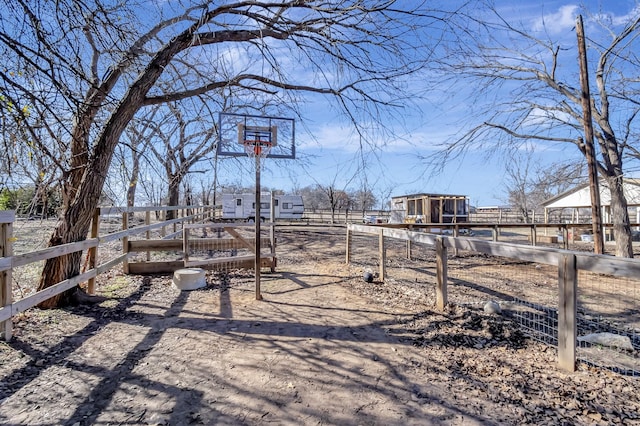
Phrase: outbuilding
(429, 208)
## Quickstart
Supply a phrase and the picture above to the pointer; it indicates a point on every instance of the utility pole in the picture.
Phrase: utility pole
(594, 188)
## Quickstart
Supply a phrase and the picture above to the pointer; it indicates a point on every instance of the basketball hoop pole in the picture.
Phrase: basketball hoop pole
(257, 135)
(258, 263)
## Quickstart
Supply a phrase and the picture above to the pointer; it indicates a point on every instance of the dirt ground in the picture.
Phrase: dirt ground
(322, 348)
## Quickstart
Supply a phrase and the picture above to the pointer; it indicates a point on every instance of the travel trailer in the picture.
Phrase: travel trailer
(242, 206)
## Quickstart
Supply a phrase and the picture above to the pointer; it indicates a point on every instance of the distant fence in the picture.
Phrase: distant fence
(493, 216)
(344, 216)
(585, 305)
(111, 231)
(512, 216)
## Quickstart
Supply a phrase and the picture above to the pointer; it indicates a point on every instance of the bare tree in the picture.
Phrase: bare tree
(22, 165)
(312, 196)
(520, 184)
(337, 198)
(94, 65)
(526, 88)
(364, 199)
(127, 166)
(530, 183)
(185, 142)
(140, 137)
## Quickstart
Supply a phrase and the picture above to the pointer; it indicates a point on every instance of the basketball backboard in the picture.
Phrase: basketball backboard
(235, 129)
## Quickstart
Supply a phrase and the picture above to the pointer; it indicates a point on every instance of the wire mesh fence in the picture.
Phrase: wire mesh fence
(609, 321)
(227, 246)
(528, 292)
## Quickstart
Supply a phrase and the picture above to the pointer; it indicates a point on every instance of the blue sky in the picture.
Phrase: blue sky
(327, 145)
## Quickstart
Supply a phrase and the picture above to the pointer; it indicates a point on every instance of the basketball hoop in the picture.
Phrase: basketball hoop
(235, 130)
(257, 140)
(257, 137)
(257, 148)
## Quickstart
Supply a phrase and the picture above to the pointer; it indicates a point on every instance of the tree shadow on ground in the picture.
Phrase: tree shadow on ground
(292, 329)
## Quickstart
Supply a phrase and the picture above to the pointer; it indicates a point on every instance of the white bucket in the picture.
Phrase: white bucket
(189, 278)
(588, 238)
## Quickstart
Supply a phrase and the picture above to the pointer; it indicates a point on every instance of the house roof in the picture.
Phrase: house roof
(580, 196)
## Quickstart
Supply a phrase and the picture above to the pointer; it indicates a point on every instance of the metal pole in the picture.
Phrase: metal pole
(272, 231)
(257, 223)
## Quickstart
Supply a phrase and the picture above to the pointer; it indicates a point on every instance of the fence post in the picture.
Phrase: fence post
(534, 235)
(163, 218)
(147, 222)
(273, 242)
(93, 251)
(125, 243)
(272, 231)
(409, 243)
(441, 274)
(383, 254)
(185, 245)
(348, 251)
(175, 215)
(567, 311)
(456, 233)
(6, 250)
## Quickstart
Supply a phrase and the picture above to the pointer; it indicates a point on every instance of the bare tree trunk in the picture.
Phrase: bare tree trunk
(174, 196)
(620, 218)
(133, 183)
(332, 202)
(84, 187)
(72, 227)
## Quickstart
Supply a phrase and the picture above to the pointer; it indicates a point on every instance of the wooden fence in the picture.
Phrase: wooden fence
(484, 217)
(8, 261)
(344, 216)
(568, 264)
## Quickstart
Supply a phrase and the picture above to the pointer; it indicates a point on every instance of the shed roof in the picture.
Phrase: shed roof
(580, 196)
(423, 194)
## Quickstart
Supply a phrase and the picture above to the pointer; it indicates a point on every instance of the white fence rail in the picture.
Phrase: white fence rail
(91, 246)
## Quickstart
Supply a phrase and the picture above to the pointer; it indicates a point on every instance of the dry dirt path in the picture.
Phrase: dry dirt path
(321, 348)
(309, 353)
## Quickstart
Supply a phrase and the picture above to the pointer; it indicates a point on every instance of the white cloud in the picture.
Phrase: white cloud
(624, 19)
(539, 117)
(333, 137)
(343, 137)
(555, 23)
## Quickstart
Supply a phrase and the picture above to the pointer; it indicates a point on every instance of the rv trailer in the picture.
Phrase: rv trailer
(242, 206)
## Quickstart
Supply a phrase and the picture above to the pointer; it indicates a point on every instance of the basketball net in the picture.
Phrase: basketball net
(257, 148)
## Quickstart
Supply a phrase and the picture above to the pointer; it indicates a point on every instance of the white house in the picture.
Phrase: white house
(579, 198)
